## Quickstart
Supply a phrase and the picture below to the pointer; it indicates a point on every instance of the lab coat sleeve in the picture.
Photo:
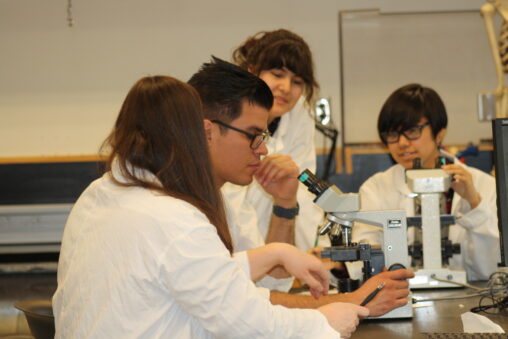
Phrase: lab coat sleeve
(480, 246)
(242, 260)
(242, 218)
(243, 225)
(212, 288)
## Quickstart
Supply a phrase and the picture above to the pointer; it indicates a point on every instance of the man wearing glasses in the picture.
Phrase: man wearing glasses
(235, 119)
(412, 124)
(236, 125)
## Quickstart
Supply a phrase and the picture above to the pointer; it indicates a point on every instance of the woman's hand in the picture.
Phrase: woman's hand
(327, 262)
(343, 317)
(280, 260)
(307, 268)
(463, 184)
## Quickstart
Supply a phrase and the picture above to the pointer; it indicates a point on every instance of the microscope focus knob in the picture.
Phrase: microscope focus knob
(396, 266)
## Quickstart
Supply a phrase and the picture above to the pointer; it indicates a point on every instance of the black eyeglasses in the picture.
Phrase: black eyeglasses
(255, 139)
(412, 133)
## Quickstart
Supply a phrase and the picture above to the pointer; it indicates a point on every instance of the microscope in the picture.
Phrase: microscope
(428, 186)
(342, 210)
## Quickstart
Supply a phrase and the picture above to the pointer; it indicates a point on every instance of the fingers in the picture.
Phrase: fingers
(463, 184)
(322, 276)
(459, 173)
(363, 312)
(318, 282)
(316, 289)
(398, 274)
(344, 317)
(276, 166)
(316, 251)
(307, 268)
(402, 294)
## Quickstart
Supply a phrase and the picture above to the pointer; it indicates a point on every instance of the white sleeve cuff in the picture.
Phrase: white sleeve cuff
(265, 293)
(243, 261)
(273, 284)
(470, 218)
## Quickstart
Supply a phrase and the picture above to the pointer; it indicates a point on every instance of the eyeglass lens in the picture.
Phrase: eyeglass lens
(411, 134)
(258, 140)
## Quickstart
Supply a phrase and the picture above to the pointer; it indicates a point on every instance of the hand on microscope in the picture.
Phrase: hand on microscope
(329, 264)
(392, 295)
(281, 260)
(462, 184)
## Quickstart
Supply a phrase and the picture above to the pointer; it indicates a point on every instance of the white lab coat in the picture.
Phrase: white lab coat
(138, 264)
(294, 137)
(476, 229)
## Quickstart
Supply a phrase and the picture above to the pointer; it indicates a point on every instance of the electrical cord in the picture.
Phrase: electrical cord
(496, 291)
(459, 284)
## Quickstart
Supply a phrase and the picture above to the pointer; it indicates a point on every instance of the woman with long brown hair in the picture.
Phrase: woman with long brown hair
(146, 251)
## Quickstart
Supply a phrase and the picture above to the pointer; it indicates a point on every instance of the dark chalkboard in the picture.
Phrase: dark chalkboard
(46, 183)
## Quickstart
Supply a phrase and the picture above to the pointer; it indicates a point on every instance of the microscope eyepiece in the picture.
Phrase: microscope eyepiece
(313, 183)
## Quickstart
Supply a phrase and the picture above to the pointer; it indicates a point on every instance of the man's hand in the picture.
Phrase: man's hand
(343, 317)
(463, 184)
(393, 295)
(278, 175)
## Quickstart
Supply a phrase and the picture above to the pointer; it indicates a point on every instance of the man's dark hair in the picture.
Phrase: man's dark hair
(405, 107)
(223, 87)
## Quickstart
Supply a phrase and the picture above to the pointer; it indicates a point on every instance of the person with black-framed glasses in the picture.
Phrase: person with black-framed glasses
(256, 139)
(412, 133)
(412, 124)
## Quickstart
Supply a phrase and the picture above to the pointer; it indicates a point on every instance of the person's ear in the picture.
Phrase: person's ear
(208, 129)
(440, 136)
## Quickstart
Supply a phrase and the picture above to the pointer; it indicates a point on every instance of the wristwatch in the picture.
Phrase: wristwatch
(287, 213)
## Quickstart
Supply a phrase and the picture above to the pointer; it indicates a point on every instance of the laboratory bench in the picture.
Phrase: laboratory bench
(429, 316)
(443, 316)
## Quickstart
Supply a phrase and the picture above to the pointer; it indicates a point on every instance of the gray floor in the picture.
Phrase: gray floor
(21, 286)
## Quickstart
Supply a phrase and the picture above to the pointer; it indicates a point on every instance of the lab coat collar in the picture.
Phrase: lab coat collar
(117, 173)
(276, 143)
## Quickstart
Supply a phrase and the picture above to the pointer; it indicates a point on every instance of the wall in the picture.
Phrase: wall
(61, 87)
(447, 51)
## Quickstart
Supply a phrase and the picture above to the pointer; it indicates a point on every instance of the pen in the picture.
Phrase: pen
(373, 294)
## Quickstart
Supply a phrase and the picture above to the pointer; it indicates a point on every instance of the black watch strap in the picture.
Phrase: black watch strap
(287, 213)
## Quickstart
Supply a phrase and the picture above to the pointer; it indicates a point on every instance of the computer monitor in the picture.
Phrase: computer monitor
(500, 135)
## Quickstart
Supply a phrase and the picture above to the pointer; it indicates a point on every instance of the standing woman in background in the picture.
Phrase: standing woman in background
(284, 61)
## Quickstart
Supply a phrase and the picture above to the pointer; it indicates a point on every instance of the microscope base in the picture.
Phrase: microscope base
(424, 278)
